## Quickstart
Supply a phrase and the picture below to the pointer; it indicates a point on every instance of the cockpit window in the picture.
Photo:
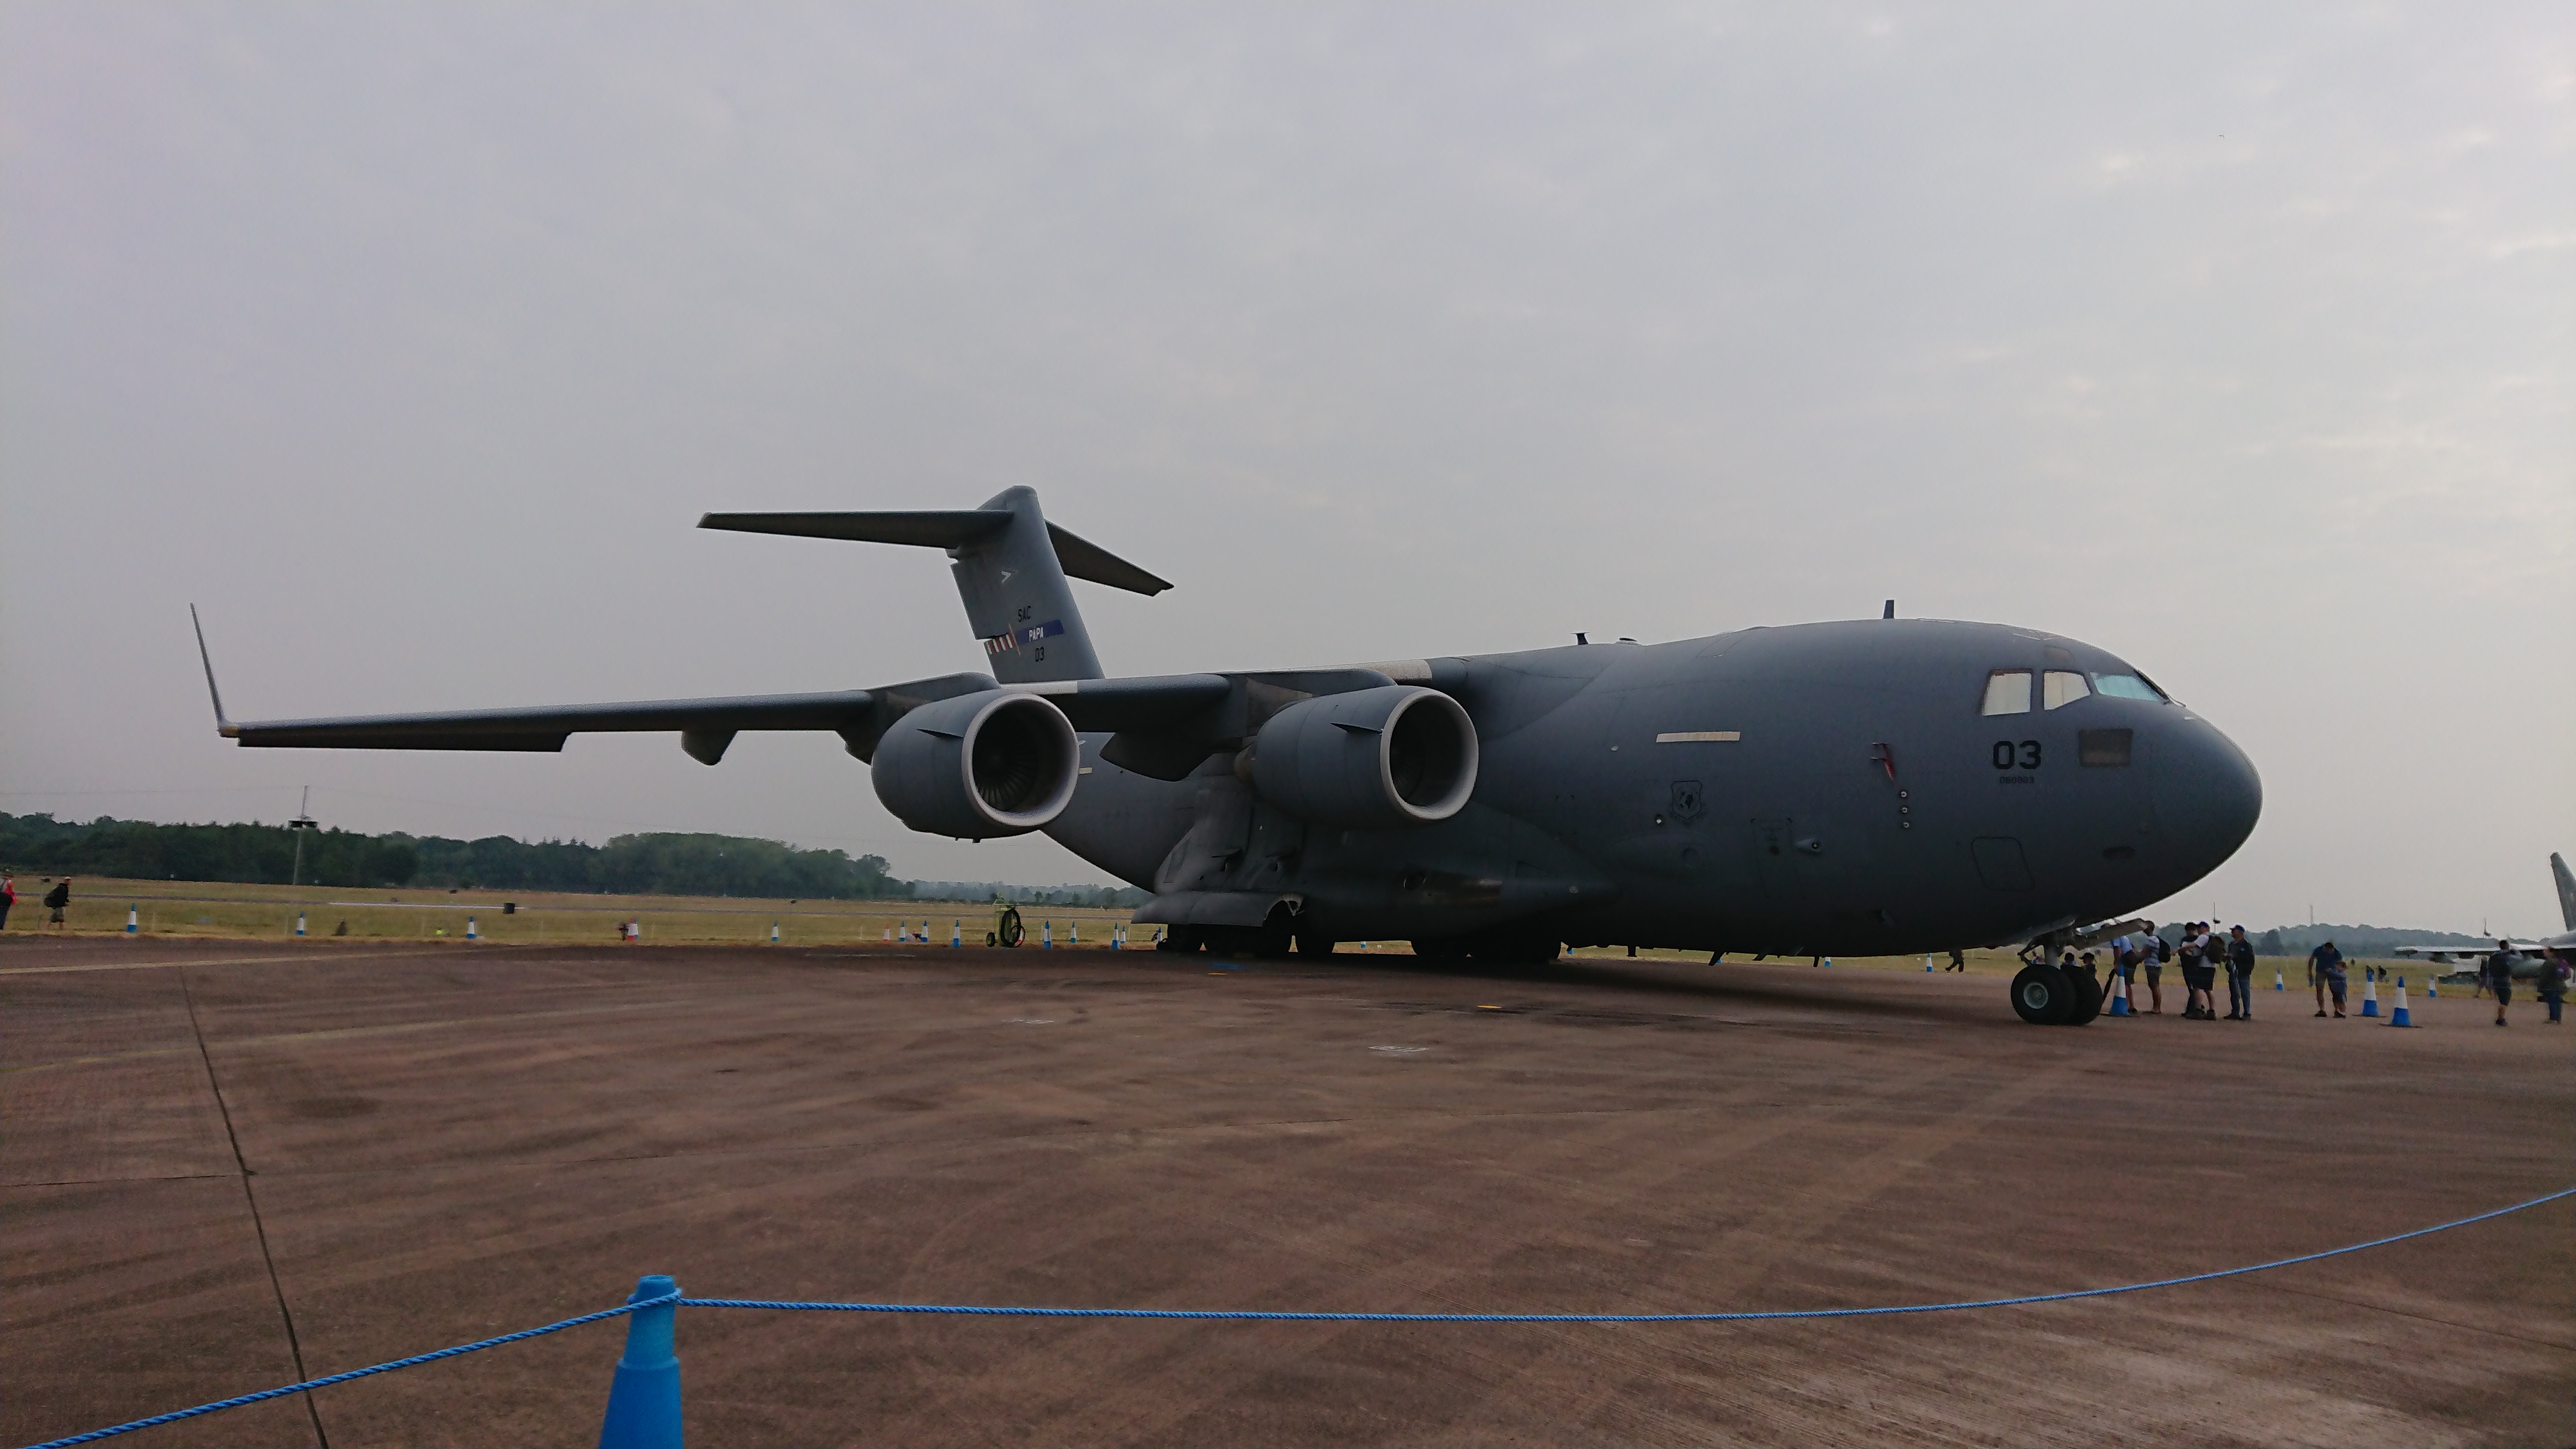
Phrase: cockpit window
(2127, 686)
(2063, 687)
(2007, 692)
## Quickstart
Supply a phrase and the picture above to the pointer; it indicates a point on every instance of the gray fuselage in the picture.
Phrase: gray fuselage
(1827, 788)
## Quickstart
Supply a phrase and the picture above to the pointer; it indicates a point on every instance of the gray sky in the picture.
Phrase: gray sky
(410, 340)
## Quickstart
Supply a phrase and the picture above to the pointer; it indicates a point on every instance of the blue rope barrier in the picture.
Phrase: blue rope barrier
(414, 1361)
(1239, 1315)
(1255, 1315)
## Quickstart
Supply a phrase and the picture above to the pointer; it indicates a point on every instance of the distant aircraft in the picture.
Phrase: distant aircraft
(2533, 952)
(1870, 787)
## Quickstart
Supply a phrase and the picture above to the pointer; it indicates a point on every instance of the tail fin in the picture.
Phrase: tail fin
(2566, 889)
(1011, 566)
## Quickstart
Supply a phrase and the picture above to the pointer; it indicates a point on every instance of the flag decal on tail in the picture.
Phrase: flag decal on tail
(1011, 642)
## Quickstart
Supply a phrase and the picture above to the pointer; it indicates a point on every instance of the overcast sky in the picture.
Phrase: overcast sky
(410, 340)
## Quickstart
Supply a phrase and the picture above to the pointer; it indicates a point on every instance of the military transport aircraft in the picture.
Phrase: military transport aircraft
(2534, 954)
(1871, 787)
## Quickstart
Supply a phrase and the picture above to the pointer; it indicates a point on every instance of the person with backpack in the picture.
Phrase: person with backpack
(2325, 972)
(59, 899)
(2240, 975)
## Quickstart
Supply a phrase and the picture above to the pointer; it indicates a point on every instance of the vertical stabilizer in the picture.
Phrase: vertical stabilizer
(1011, 565)
(2566, 890)
(1017, 599)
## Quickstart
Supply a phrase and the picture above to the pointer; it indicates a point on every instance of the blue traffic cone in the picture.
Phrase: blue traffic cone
(1046, 935)
(956, 933)
(1927, 965)
(131, 927)
(2369, 996)
(773, 933)
(644, 1398)
(2399, 1016)
(2120, 996)
(2276, 980)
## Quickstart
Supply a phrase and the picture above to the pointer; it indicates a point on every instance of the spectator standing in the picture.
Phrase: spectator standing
(2325, 972)
(59, 899)
(2554, 974)
(2240, 975)
(2151, 953)
(1958, 961)
(8, 897)
(2499, 975)
(2190, 954)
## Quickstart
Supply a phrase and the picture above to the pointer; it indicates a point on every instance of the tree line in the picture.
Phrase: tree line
(648, 864)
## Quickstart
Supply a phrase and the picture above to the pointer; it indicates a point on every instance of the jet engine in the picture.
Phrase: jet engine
(1371, 759)
(978, 766)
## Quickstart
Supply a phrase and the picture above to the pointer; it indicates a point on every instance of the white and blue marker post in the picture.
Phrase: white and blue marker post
(131, 927)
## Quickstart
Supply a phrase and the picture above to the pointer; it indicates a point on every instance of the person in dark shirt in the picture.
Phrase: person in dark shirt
(59, 899)
(2499, 975)
(2152, 953)
(2553, 983)
(2325, 973)
(2240, 975)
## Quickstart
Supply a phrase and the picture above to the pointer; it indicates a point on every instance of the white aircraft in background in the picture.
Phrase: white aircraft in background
(2534, 952)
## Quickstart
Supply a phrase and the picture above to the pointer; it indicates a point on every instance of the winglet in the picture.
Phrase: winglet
(223, 726)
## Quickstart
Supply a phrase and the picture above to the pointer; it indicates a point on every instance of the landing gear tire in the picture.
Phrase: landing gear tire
(1179, 938)
(2044, 996)
(2088, 999)
(1447, 948)
(1313, 945)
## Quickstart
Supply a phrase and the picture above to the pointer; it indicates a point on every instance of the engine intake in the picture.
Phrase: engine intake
(1372, 759)
(979, 766)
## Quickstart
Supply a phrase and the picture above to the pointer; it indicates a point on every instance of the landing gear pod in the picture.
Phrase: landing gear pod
(978, 766)
(1372, 759)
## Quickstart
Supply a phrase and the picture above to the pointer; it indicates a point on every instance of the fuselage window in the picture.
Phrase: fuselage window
(2063, 687)
(2007, 692)
(2126, 686)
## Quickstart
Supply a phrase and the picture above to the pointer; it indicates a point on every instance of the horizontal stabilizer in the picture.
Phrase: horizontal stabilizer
(944, 528)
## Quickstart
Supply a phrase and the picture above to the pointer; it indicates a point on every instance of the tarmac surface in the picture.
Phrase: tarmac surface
(226, 1165)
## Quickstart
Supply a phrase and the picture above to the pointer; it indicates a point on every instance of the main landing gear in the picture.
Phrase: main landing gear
(2046, 995)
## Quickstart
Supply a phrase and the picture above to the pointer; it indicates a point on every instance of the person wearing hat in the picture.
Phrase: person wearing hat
(2240, 974)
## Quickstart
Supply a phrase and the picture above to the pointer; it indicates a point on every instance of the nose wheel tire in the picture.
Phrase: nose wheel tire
(2088, 999)
(2044, 996)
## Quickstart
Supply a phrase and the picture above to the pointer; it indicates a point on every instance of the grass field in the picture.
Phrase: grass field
(227, 911)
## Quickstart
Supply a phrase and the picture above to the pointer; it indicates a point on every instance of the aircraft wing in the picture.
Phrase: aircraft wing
(1167, 723)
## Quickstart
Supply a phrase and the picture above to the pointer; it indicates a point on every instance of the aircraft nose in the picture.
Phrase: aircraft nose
(2212, 795)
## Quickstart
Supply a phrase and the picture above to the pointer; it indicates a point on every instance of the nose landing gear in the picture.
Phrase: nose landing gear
(2045, 995)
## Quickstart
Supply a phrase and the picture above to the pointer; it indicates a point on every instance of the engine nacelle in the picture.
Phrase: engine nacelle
(1371, 759)
(978, 766)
